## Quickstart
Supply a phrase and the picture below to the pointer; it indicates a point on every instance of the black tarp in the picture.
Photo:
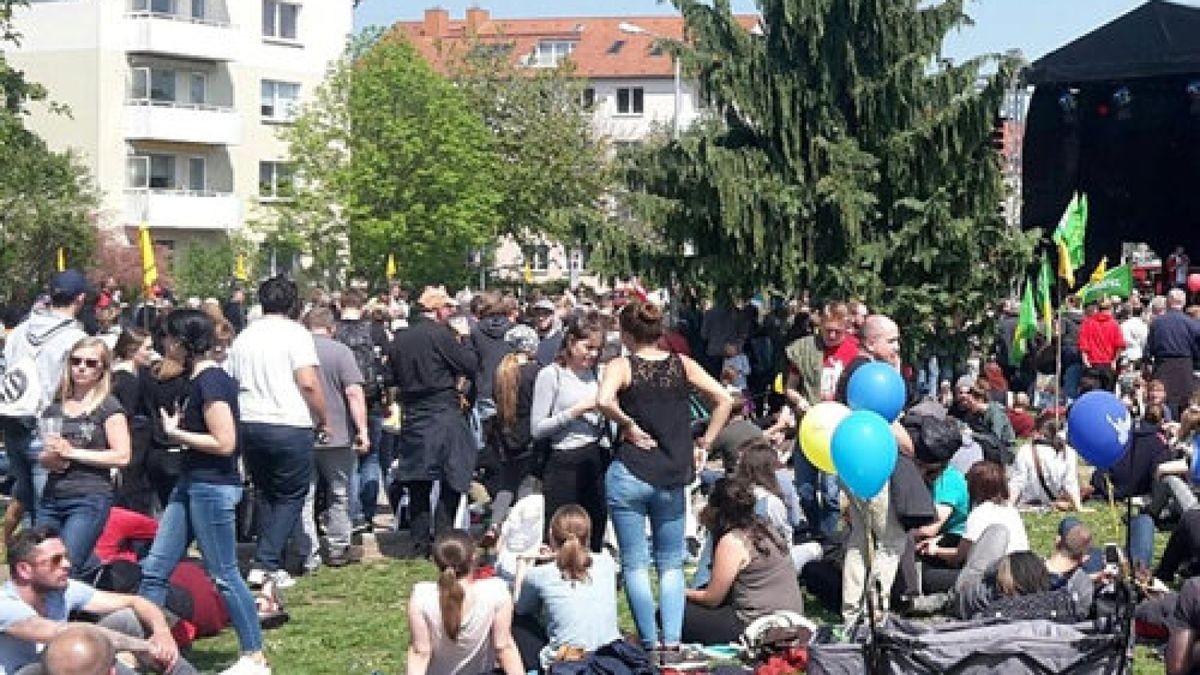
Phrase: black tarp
(1159, 38)
(1138, 163)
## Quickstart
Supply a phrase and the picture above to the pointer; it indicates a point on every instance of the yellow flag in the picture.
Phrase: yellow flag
(1100, 271)
(62, 260)
(149, 265)
(528, 273)
(239, 268)
(391, 267)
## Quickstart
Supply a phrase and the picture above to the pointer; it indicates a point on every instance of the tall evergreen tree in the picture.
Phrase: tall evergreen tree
(842, 157)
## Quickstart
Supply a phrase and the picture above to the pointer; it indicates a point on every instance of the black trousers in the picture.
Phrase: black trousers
(419, 517)
(711, 625)
(530, 637)
(1183, 547)
(576, 476)
(925, 575)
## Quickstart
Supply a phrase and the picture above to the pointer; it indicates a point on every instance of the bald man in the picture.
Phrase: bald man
(879, 340)
(79, 650)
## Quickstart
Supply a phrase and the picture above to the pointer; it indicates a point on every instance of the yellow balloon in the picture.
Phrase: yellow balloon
(816, 431)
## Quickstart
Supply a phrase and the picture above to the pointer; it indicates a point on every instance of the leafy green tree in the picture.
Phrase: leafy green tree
(47, 199)
(390, 158)
(204, 270)
(843, 157)
(554, 172)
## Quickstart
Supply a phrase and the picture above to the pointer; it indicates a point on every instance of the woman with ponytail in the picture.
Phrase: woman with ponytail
(202, 505)
(460, 625)
(576, 596)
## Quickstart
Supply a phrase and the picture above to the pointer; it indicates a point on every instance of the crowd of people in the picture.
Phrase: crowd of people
(544, 452)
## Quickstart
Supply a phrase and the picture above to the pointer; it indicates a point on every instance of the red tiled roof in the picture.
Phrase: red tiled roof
(602, 49)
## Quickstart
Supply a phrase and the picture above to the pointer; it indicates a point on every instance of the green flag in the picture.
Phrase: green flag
(1068, 236)
(1026, 327)
(1045, 304)
(1118, 281)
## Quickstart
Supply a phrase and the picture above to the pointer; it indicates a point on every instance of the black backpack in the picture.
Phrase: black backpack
(357, 336)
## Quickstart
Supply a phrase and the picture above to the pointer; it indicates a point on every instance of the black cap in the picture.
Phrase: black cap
(69, 282)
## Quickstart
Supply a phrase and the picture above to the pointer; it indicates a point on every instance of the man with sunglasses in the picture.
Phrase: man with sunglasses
(36, 602)
(46, 336)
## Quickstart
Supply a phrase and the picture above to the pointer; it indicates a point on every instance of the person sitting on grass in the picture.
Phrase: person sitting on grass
(576, 596)
(1133, 475)
(1045, 471)
(988, 489)
(460, 625)
(752, 572)
(1173, 494)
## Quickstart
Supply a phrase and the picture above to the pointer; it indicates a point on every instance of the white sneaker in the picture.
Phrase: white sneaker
(255, 578)
(247, 666)
(282, 579)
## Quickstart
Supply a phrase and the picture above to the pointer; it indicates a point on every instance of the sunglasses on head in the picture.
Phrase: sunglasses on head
(80, 361)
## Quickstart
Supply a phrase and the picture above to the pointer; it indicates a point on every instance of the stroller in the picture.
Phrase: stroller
(979, 647)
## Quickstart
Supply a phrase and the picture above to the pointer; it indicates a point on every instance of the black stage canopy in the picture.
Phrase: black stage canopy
(1116, 114)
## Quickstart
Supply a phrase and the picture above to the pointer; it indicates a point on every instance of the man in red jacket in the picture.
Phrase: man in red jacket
(1100, 342)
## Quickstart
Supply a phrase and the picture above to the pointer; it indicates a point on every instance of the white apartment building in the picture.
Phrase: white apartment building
(175, 104)
(633, 88)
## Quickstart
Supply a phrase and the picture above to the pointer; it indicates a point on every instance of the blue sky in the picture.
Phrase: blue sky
(1034, 26)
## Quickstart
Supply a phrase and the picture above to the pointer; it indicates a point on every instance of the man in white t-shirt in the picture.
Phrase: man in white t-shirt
(282, 408)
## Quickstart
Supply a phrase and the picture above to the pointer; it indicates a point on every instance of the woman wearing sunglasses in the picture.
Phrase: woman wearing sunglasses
(94, 438)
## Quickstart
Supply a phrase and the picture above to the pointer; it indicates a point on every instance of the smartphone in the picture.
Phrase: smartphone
(1112, 558)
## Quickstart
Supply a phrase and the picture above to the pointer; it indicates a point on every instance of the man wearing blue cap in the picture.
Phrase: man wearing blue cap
(34, 355)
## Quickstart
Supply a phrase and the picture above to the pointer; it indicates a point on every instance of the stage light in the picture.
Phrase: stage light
(1122, 100)
(1193, 92)
(1069, 105)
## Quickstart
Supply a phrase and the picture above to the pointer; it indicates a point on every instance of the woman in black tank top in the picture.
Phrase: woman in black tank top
(646, 393)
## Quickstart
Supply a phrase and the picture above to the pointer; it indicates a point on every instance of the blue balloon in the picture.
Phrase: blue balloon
(864, 453)
(877, 387)
(1099, 427)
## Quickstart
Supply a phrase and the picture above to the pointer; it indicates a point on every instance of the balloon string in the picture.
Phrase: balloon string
(1112, 504)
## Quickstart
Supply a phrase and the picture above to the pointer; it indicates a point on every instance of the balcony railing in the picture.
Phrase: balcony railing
(179, 35)
(203, 123)
(183, 209)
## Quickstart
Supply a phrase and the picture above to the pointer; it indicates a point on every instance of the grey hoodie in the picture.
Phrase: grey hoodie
(54, 334)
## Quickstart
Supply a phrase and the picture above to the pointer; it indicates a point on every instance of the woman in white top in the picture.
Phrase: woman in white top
(989, 506)
(1045, 471)
(460, 626)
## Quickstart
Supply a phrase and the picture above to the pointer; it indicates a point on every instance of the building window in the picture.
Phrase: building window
(162, 172)
(631, 101)
(538, 257)
(198, 88)
(198, 10)
(549, 53)
(197, 170)
(154, 6)
(279, 100)
(137, 172)
(588, 98)
(280, 19)
(274, 180)
(162, 85)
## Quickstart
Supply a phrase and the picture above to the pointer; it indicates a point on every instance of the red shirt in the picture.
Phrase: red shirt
(834, 363)
(122, 529)
(1100, 339)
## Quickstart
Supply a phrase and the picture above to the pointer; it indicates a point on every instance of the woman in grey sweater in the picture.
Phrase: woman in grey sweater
(564, 413)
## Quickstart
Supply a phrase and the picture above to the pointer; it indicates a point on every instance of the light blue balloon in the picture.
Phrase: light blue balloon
(864, 453)
(1100, 428)
(877, 387)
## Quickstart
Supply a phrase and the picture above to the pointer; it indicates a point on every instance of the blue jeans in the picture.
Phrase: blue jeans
(1072, 370)
(79, 522)
(630, 502)
(280, 462)
(364, 482)
(205, 513)
(23, 445)
(1141, 540)
(819, 495)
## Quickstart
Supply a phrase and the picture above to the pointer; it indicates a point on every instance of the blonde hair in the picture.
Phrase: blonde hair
(96, 396)
(505, 388)
(570, 530)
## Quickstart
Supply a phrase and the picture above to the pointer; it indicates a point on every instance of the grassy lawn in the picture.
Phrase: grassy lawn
(353, 621)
